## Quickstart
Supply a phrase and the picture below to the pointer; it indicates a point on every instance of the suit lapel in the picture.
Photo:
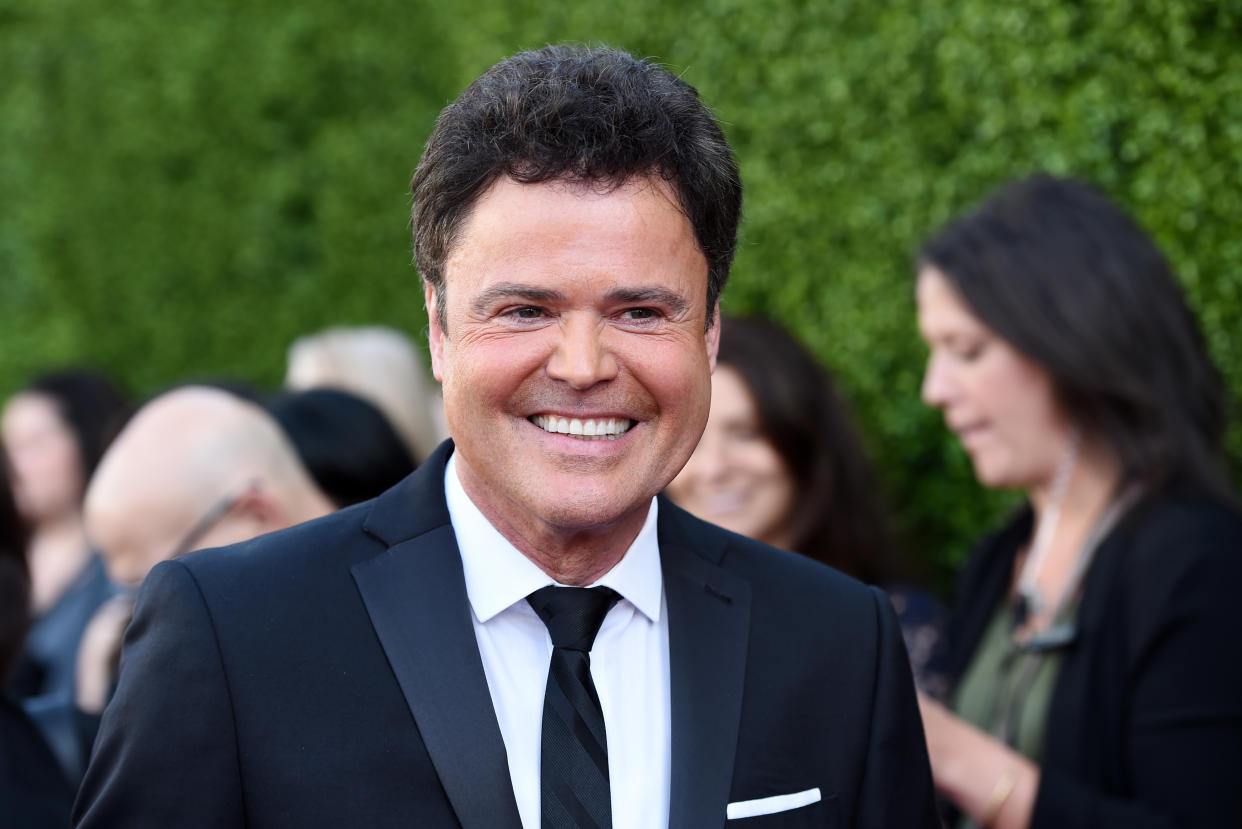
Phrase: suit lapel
(415, 594)
(708, 624)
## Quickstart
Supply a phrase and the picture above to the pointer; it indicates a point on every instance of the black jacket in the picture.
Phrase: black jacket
(1145, 724)
(34, 792)
(328, 675)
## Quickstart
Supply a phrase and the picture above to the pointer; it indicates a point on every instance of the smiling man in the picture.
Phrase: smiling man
(522, 633)
(577, 371)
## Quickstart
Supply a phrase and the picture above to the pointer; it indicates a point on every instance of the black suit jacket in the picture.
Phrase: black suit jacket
(328, 675)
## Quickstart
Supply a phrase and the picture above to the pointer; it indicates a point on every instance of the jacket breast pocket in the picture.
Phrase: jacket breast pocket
(825, 814)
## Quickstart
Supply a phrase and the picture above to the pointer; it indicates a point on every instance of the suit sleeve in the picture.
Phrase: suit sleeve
(897, 786)
(1183, 723)
(166, 754)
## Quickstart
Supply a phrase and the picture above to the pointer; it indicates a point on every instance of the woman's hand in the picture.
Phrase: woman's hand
(980, 775)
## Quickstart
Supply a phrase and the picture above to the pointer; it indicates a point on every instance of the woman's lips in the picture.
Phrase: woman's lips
(972, 434)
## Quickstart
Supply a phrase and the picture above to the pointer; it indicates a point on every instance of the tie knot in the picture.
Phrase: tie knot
(573, 614)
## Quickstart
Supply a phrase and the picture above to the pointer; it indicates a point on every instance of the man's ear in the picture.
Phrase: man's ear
(259, 506)
(712, 337)
(435, 333)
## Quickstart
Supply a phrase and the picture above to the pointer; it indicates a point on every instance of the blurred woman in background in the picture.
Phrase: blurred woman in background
(781, 462)
(1094, 639)
(33, 791)
(55, 431)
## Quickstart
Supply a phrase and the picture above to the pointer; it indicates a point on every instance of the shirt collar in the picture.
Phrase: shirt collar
(498, 575)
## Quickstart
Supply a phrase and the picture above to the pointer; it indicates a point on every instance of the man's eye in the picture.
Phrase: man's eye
(639, 313)
(527, 312)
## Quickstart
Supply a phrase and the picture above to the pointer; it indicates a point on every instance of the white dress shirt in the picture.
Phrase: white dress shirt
(629, 662)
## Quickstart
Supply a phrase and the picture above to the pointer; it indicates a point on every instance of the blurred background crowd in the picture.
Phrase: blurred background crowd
(196, 188)
(97, 490)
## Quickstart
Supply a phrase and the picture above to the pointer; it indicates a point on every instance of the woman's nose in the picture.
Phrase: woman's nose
(938, 385)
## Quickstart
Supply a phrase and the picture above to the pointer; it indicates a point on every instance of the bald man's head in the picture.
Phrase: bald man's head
(196, 467)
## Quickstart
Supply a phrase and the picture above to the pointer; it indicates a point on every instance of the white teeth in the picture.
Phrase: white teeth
(603, 429)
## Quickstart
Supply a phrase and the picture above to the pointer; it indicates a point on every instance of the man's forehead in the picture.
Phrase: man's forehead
(510, 215)
(508, 187)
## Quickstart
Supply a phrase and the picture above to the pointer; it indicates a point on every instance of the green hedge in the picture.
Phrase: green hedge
(187, 186)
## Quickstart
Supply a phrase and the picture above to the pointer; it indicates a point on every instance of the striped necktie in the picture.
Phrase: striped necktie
(574, 789)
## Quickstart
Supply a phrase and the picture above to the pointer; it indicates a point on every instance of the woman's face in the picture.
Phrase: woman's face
(44, 458)
(999, 403)
(735, 478)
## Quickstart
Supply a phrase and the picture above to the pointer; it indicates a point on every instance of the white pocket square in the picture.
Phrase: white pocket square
(771, 805)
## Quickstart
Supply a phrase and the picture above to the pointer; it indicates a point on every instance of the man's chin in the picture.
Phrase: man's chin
(587, 509)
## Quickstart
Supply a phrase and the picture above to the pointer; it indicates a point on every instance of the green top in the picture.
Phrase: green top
(1007, 689)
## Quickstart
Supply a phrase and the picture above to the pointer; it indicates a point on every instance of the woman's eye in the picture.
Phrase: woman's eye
(972, 353)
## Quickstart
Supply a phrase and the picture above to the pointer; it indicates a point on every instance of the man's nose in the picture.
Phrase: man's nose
(582, 358)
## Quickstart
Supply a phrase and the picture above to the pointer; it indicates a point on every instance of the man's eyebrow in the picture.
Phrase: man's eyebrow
(672, 300)
(513, 290)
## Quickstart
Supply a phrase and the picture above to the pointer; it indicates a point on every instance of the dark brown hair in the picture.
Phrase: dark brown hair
(14, 577)
(1072, 282)
(348, 446)
(592, 115)
(90, 404)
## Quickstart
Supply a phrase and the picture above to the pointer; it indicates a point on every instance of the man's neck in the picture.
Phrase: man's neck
(572, 555)
(569, 555)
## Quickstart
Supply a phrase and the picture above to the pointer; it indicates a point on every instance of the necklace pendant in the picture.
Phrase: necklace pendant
(1032, 599)
(1020, 613)
(1026, 604)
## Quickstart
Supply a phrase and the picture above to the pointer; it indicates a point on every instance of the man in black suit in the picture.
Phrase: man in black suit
(432, 658)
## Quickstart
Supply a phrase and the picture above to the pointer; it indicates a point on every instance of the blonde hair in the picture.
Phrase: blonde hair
(379, 364)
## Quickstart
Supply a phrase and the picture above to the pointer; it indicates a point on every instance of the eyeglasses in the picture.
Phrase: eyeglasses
(213, 515)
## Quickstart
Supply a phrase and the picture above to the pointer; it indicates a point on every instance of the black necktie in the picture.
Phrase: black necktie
(573, 789)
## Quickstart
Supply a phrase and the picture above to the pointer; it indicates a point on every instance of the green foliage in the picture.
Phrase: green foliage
(187, 187)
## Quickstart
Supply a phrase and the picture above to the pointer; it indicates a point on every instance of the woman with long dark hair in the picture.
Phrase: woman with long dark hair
(55, 430)
(780, 461)
(33, 791)
(1093, 639)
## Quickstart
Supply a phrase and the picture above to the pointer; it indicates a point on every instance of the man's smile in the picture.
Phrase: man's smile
(609, 428)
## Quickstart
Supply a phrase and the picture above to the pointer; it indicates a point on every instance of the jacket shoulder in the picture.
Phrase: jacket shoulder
(789, 583)
(337, 540)
(735, 551)
(1173, 548)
